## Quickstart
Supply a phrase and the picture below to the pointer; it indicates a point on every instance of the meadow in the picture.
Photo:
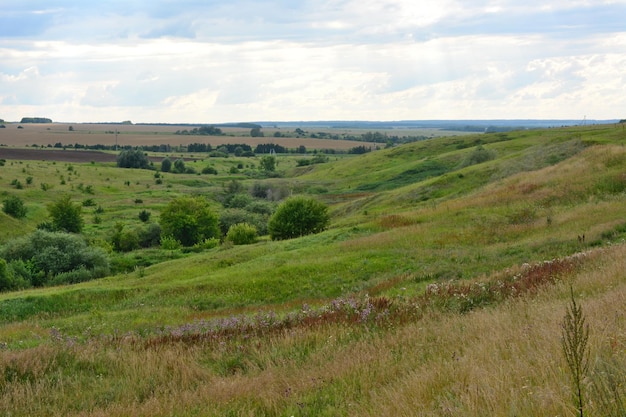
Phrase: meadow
(439, 288)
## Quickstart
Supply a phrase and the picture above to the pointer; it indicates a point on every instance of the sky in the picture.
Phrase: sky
(211, 61)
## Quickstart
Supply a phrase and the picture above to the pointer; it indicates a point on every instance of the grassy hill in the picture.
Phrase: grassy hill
(439, 289)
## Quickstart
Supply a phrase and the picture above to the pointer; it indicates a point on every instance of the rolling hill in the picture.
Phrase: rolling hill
(438, 290)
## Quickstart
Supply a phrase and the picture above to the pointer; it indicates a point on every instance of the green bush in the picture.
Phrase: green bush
(478, 156)
(230, 217)
(14, 207)
(189, 220)
(47, 254)
(239, 200)
(179, 166)
(242, 234)
(150, 236)
(166, 165)
(207, 244)
(298, 216)
(209, 170)
(170, 243)
(6, 277)
(144, 215)
(66, 216)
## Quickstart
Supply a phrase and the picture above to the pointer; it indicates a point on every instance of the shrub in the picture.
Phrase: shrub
(261, 207)
(66, 216)
(209, 170)
(189, 220)
(47, 254)
(298, 216)
(144, 215)
(6, 277)
(166, 165)
(231, 217)
(239, 200)
(150, 236)
(207, 244)
(478, 156)
(242, 234)
(170, 243)
(75, 276)
(179, 166)
(14, 207)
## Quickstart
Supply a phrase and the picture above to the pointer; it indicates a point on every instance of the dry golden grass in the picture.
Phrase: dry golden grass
(498, 361)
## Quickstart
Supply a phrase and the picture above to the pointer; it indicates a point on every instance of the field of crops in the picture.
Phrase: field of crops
(138, 135)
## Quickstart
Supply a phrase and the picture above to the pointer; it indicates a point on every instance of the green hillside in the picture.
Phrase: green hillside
(429, 294)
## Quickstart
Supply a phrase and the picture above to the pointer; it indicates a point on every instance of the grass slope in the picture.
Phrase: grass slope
(404, 219)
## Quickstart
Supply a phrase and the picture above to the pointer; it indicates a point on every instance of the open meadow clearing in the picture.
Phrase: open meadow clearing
(439, 286)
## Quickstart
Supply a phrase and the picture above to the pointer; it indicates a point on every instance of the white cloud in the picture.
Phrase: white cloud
(338, 59)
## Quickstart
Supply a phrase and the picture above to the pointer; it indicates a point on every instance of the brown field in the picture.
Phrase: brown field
(137, 135)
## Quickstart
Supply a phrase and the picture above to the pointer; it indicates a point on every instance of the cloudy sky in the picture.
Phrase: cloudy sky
(216, 61)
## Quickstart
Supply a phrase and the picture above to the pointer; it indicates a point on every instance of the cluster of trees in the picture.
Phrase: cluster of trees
(58, 254)
(35, 120)
(202, 131)
(269, 147)
(358, 150)
(133, 158)
(54, 254)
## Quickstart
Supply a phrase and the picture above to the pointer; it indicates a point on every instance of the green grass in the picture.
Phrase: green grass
(403, 219)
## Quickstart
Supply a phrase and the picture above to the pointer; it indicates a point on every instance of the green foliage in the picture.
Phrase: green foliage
(48, 254)
(14, 207)
(256, 132)
(239, 200)
(268, 163)
(127, 239)
(298, 216)
(6, 277)
(66, 216)
(478, 156)
(179, 166)
(207, 244)
(144, 215)
(170, 243)
(189, 220)
(230, 217)
(209, 170)
(242, 234)
(133, 158)
(166, 165)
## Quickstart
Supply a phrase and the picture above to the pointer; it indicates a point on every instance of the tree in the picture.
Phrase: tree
(268, 163)
(189, 220)
(166, 165)
(133, 158)
(179, 166)
(255, 132)
(66, 216)
(14, 207)
(298, 216)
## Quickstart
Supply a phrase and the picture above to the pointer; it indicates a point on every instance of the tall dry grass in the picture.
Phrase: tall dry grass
(503, 360)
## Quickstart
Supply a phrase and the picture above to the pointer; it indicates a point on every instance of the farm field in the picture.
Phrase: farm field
(146, 135)
(439, 288)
